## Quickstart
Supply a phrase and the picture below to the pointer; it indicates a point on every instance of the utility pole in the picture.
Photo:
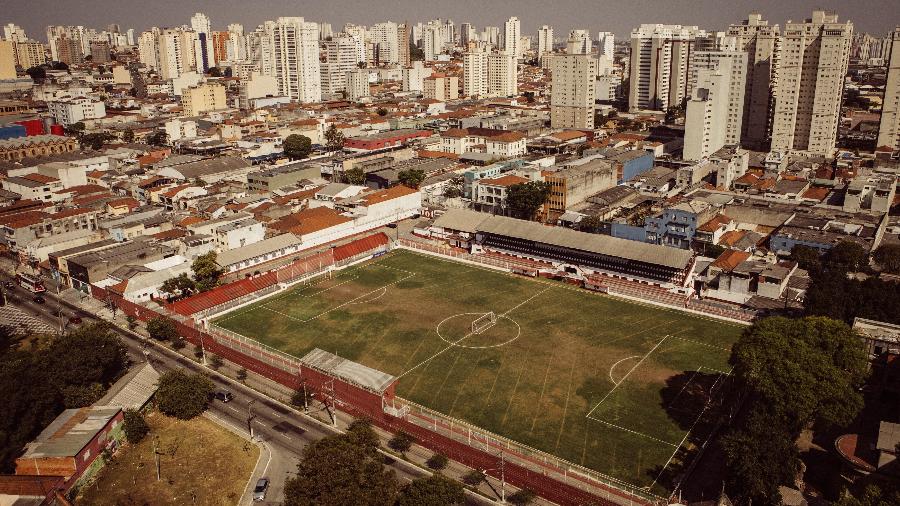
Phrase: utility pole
(202, 350)
(250, 417)
(156, 455)
(305, 405)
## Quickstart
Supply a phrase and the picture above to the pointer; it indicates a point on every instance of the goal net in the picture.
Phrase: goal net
(484, 322)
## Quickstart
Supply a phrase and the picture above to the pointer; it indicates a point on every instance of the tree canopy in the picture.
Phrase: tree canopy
(297, 147)
(334, 138)
(343, 469)
(180, 285)
(158, 138)
(162, 328)
(135, 426)
(183, 395)
(354, 176)
(411, 177)
(887, 256)
(524, 199)
(434, 490)
(206, 272)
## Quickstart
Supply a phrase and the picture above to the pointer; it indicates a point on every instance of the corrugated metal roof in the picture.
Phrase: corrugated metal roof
(462, 220)
(593, 243)
(72, 430)
(348, 370)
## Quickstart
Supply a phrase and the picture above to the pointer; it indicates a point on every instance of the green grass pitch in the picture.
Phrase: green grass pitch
(599, 381)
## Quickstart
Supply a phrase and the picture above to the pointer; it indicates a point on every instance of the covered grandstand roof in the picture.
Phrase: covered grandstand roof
(462, 220)
(348, 370)
(593, 243)
(222, 294)
(359, 246)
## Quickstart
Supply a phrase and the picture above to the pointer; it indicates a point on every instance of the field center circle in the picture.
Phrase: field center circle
(437, 330)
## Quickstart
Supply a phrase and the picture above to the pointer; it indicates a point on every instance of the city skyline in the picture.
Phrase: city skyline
(34, 16)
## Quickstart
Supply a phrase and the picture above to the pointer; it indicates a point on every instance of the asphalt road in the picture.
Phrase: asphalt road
(282, 430)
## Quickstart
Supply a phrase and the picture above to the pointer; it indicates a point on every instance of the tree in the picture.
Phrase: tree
(183, 395)
(216, 362)
(342, 469)
(297, 147)
(242, 375)
(58, 65)
(401, 442)
(38, 74)
(354, 176)
(524, 199)
(135, 426)
(301, 398)
(416, 53)
(179, 285)
(521, 497)
(411, 177)
(334, 138)
(590, 223)
(132, 322)
(473, 478)
(846, 256)
(162, 328)
(178, 344)
(214, 72)
(128, 135)
(206, 272)
(381, 111)
(95, 141)
(158, 138)
(75, 129)
(437, 462)
(432, 490)
(888, 257)
(806, 257)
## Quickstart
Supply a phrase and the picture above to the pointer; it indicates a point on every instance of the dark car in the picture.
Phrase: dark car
(8, 284)
(223, 395)
(38, 299)
(391, 225)
(259, 491)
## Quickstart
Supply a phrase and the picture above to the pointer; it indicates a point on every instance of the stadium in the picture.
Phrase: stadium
(612, 385)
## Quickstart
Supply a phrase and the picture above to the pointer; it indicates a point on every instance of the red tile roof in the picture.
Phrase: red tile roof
(729, 259)
(222, 294)
(360, 246)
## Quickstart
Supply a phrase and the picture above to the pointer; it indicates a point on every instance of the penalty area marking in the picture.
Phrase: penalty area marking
(612, 367)
(626, 376)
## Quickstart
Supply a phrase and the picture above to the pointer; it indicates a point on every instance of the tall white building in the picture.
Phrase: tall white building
(296, 56)
(340, 58)
(572, 91)
(357, 84)
(490, 74)
(386, 36)
(414, 77)
(660, 57)
(511, 37)
(491, 35)
(733, 63)
(14, 33)
(814, 58)
(707, 113)
(359, 34)
(762, 43)
(467, 34)
(261, 48)
(606, 44)
(203, 44)
(889, 130)
(579, 42)
(147, 48)
(545, 41)
(175, 52)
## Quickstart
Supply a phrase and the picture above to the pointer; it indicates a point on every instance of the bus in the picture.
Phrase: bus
(30, 283)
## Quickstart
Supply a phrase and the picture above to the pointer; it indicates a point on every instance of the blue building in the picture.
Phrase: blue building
(629, 163)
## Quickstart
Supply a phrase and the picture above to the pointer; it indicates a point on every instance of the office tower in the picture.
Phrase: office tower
(403, 44)
(762, 43)
(606, 44)
(734, 64)
(579, 42)
(325, 31)
(889, 129)
(707, 112)
(340, 58)
(466, 34)
(814, 59)
(100, 51)
(7, 60)
(175, 52)
(297, 59)
(386, 37)
(414, 77)
(14, 33)
(512, 32)
(433, 37)
(148, 53)
(660, 56)
(545, 41)
(196, 100)
(129, 36)
(489, 74)
(30, 54)
(261, 48)
(572, 90)
(357, 84)
(69, 50)
(359, 34)
(203, 51)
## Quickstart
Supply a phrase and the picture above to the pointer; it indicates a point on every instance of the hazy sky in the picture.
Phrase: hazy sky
(619, 16)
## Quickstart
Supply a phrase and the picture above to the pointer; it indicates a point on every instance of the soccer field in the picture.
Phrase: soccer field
(602, 382)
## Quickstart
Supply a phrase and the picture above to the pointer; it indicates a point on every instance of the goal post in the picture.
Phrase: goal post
(484, 322)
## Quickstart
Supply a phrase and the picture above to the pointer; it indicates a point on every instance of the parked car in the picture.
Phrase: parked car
(223, 395)
(391, 225)
(38, 299)
(8, 284)
(259, 492)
